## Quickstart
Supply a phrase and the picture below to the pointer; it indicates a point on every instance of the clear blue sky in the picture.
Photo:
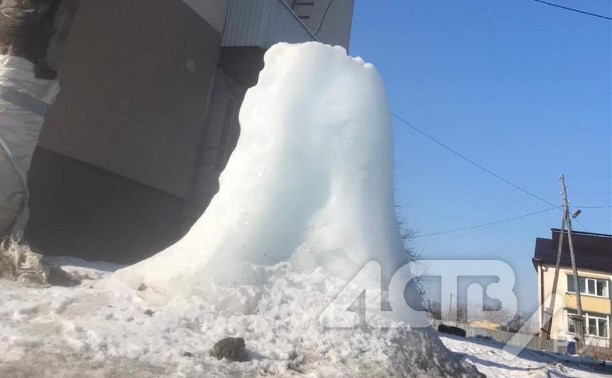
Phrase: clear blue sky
(522, 88)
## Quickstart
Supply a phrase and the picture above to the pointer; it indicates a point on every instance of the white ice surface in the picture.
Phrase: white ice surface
(310, 181)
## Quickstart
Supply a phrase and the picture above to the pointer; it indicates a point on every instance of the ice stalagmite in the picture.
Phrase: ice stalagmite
(310, 181)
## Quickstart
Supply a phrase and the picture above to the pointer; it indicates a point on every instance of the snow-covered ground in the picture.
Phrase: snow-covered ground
(492, 361)
(101, 329)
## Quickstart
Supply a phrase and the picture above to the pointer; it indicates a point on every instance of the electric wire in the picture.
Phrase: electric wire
(582, 225)
(488, 171)
(573, 9)
(594, 207)
(488, 223)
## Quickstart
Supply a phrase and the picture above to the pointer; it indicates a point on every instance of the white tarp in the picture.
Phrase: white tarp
(23, 102)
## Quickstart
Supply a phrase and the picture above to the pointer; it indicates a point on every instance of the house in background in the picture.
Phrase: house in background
(131, 151)
(594, 264)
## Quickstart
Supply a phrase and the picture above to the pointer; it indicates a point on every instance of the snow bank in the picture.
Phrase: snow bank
(101, 329)
(310, 181)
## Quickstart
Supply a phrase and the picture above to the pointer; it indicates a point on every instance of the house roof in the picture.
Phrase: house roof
(593, 251)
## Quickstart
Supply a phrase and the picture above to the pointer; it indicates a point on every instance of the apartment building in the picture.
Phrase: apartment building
(147, 117)
(594, 264)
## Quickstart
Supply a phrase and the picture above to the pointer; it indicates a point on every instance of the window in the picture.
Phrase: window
(602, 288)
(571, 322)
(590, 286)
(594, 324)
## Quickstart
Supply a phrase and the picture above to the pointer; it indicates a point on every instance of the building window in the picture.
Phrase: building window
(594, 324)
(589, 286)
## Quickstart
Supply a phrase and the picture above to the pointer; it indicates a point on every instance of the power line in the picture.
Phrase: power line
(488, 223)
(583, 226)
(594, 207)
(448, 148)
(472, 161)
(578, 220)
(589, 207)
(573, 9)
(509, 220)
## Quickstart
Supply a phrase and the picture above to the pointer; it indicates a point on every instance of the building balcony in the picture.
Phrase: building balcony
(589, 303)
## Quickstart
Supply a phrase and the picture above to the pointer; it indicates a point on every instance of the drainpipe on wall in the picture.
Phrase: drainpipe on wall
(541, 274)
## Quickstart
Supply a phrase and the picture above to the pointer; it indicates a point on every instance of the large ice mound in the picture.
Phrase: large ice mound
(305, 201)
(310, 180)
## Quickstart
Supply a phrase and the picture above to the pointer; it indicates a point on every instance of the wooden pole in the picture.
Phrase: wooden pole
(548, 315)
(579, 323)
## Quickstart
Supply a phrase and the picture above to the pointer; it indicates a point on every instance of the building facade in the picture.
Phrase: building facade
(147, 117)
(593, 254)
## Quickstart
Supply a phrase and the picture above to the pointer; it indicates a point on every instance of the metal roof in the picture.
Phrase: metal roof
(262, 23)
(593, 251)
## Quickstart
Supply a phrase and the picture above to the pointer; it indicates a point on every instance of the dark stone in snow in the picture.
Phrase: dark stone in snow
(149, 312)
(232, 348)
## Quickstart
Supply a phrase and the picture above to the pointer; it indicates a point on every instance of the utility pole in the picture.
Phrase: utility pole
(548, 315)
(579, 322)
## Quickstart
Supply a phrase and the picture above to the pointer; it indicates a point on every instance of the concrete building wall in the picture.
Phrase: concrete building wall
(216, 144)
(131, 152)
(212, 11)
(331, 21)
(80, 210)
(115, 163)
(135, 86)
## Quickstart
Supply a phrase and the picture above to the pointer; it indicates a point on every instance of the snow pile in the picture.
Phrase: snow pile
(102, 329)
(310, 181)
